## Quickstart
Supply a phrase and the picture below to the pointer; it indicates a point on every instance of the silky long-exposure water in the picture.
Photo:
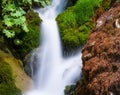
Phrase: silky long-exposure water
(53, 71)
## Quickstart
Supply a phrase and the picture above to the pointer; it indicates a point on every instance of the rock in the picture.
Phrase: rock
(7, 84)
(71, 2)
(21, 80)
(101, 58)
(31, 61)
(117, 23)
(74, 25)
(69, 90)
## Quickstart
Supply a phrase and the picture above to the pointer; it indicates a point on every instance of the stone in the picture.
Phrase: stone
(101, 61)
(22, 81)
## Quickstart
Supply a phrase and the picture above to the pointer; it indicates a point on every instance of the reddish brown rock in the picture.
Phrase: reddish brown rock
(101, 57)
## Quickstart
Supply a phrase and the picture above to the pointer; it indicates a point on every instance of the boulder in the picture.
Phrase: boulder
(101, 57)
(21, 80)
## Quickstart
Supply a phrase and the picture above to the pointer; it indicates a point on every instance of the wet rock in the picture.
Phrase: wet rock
(30, 62)
(69, 90)
(117, 23)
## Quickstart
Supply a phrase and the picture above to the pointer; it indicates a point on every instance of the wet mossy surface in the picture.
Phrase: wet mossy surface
(7, 85)
(75, 23)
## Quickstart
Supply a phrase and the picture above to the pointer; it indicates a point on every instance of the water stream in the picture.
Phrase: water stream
(52, 72)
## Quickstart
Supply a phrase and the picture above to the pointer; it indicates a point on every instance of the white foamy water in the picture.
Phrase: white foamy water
(53, 72)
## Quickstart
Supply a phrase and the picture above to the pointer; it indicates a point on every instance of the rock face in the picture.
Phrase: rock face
(21, 80)
(12, 77)
(101, 57)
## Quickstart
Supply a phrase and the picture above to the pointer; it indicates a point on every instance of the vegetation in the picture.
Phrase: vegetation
(75, 23)
(30, 40)
(13, 12)
(7, 84)
(20, 25)
(13, 17)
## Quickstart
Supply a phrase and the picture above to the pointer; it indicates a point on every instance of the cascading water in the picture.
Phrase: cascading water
(53, 72)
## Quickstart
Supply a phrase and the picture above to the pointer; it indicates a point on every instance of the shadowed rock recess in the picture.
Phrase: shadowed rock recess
(101, 57)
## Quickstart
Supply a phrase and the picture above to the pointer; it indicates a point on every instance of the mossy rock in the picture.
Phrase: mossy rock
(31, 39)
(7, 84)
(13, 79)
(75, 23)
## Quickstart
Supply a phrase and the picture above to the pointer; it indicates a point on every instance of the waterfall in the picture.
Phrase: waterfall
(53, 72)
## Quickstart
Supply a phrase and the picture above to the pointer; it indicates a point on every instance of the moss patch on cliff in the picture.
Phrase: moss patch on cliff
(17, 75)
(7, 85)
(75, 23)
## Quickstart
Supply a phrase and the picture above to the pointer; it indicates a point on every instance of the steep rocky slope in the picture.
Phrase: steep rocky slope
(101, 57)
(13, 79)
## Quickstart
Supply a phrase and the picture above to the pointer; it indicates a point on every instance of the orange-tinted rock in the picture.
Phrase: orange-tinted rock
(101, 57)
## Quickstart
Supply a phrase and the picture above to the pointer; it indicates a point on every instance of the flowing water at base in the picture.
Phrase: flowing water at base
(53, 72)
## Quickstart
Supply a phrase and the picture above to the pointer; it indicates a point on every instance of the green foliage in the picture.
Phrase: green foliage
(25, 42)
(31, 40)
(7, 85)
(18, 42)
(75, 24)
(13, 16)
(43, 3)
(9, 33)
(1, 27)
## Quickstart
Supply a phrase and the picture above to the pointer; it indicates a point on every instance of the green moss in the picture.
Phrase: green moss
(75, 23)
(84, 9)
(67, 19)
(7, 86)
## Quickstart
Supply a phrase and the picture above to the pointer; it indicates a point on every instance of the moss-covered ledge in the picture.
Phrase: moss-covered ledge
(7, 84)
(13, 80)
(75, 23)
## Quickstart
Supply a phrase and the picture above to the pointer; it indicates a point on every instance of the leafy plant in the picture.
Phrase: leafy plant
(43, 2)
(14, 15)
